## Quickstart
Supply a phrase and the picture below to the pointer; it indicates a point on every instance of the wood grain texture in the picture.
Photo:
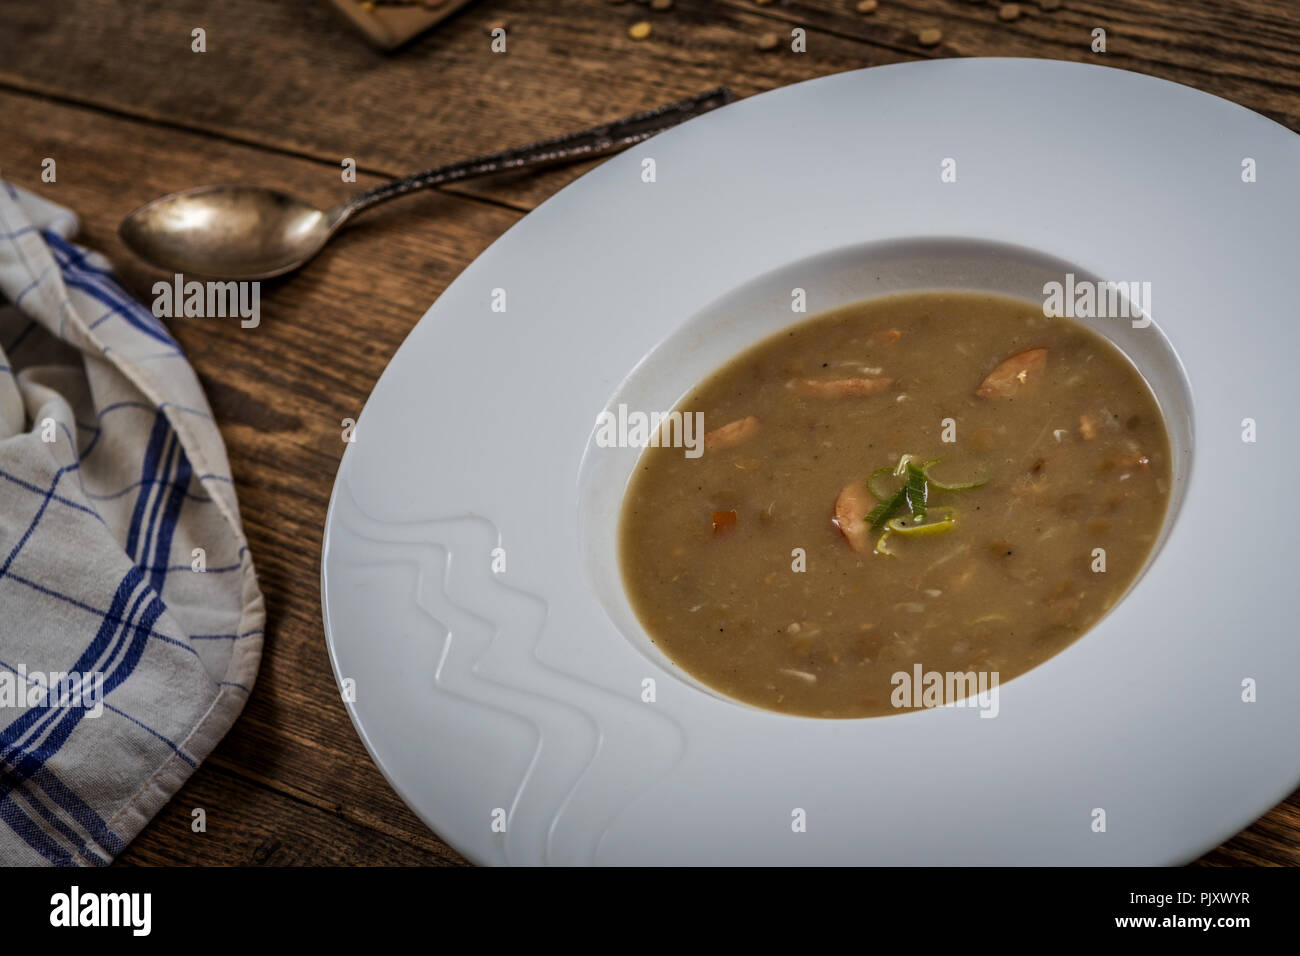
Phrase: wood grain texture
(286, 91)
(291, 77)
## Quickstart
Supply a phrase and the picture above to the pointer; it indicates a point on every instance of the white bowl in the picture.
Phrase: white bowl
(514, 699)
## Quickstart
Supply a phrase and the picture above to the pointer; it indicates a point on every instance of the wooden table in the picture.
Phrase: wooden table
(283, 94)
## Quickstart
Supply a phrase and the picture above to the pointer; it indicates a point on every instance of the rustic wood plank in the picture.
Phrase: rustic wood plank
(252, 825)
(290, 77)
(569, 64)
(1273, 840)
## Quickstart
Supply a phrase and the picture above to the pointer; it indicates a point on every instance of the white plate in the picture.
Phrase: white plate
(517, 696)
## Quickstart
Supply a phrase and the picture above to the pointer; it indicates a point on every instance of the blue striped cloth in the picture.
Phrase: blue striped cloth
(130, 615)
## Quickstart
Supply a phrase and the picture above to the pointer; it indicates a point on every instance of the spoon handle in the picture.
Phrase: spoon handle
(588, 144)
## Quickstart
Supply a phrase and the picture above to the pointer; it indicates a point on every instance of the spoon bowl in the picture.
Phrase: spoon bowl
(231, 232)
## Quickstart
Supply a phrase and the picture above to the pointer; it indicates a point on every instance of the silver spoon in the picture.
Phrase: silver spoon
(249, 232)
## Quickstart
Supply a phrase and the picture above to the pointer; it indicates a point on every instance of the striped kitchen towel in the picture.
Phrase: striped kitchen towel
(130, 616)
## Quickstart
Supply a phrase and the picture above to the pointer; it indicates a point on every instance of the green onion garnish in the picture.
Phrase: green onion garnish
(915, 493)
(879, 515)
(874, 484)
(948, 486)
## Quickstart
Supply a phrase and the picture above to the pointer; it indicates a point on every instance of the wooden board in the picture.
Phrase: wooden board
(389, 25)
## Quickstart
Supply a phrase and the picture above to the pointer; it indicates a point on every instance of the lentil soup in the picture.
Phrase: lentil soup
(938, 482)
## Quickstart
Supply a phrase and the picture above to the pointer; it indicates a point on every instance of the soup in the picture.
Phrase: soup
(935, 483)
